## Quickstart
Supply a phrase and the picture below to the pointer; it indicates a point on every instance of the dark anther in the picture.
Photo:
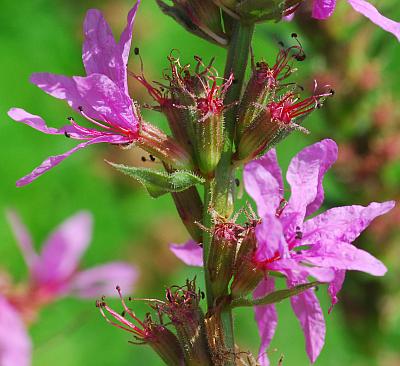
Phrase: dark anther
(300, 56)
(237, 182)
(203, 295)
(80, 108)
(299, 234)
(123, 313)
(67, 134)
(319, 105)
(152, 158)
(294, 35)
(136, 51)
(143, 159)
(130, 298)
(69, 118)
(332, 92)
(118, 288)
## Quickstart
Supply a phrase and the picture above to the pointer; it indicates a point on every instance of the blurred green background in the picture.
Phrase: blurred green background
(358, 59)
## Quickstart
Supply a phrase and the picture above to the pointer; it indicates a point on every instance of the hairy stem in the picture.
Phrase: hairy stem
(219, 194)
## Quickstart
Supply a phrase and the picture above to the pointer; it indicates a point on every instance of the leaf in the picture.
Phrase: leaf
(158, 183)
(275, 296)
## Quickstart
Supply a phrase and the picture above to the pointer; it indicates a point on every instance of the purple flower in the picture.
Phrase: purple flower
(54, 272)
(323, 9)
(15, 344)
(320, 246)
(101, 97)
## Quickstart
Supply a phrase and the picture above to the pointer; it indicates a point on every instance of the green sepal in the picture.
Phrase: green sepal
(158, 183)
(275, 296)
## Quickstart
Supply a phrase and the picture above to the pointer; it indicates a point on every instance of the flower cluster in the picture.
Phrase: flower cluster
(215, 129)
(284, 241)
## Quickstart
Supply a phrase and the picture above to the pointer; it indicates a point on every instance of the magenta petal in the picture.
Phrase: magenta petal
(263, 182)
(266, 318)
(369, 11)
(294, 266)
(190, 253)
(23, 237)
(100, 53)
(335, 286)
(344, 256)
(270, 239)
(36, 122)
(53, 161)
(62, 252)
(323, 9)
(15, 344)
(126, 36)
(108, 100)
(63, 87)
(308, 310)
(305, 174)
(102, 280)
(343, 223)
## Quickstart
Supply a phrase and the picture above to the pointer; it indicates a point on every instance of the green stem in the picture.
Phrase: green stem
(219, 194)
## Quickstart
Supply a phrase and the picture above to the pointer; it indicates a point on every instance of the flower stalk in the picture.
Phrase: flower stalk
(219, 194)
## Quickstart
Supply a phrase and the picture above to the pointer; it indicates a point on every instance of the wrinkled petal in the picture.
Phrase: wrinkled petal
(369, 11)
(15, 344)
(63, 87)
(294, 266)
(102, 280)
(36, 122)
(190, 253)
(266, 318)
(335, 286)
(101, 54)
(308, 310)
(270, 239)
(343, 223)
(305, 174)
(63, 250)
(53, 161)
(344, 256)
(23, 237)
(263, 182)
(323, 9)
(107, 99)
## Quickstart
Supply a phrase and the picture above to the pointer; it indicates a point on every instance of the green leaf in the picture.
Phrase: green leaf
(158, 183)
(275, 296)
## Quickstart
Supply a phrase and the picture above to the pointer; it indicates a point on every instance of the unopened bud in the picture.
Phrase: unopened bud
(222, 254)
(258, 10)
(246, 274)
(200, 17)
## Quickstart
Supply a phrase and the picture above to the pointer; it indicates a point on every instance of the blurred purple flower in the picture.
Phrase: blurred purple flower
(101, 97)
(15, 344)
(323, 9)
(54, 273)
(319, 247)
(286, 241)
